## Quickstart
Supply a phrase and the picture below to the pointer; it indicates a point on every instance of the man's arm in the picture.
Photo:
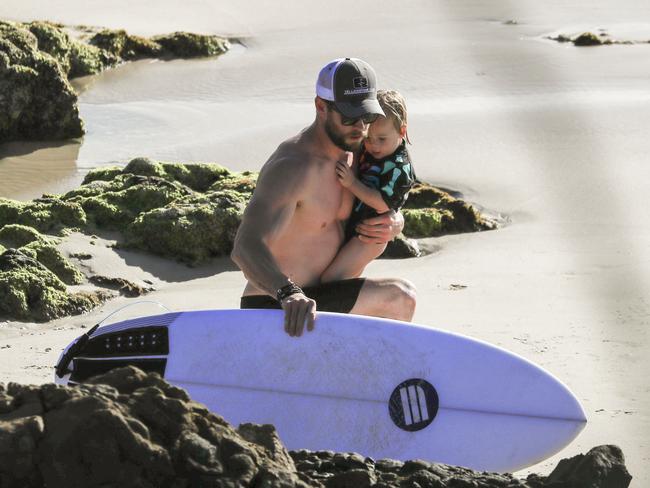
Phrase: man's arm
(347, 177)
(267, 216)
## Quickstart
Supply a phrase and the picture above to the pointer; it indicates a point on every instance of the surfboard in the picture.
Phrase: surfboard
(382, 388)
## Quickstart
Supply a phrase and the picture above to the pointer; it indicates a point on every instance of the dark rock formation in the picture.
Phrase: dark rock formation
(123, 286)
(591, 39)
(401, 247)
(588, 39)
(603, 466)
(131, 429)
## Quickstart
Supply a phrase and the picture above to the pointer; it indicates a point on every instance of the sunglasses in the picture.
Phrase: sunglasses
(367, 118)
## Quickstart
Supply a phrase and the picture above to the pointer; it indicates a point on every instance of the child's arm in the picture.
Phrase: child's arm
(367, 195)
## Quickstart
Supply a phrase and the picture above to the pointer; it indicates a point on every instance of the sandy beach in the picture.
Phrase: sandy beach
(550, 137)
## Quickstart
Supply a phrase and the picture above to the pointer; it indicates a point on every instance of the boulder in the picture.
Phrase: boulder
(132, 429)
(30, 291)
(36, 100)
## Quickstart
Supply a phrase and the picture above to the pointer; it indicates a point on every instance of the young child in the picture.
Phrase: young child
(385, 177)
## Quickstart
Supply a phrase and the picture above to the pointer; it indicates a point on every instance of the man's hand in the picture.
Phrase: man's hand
(298, 309)
(344, 170)
(380, 229)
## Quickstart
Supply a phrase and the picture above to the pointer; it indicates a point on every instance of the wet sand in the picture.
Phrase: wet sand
(551, 136)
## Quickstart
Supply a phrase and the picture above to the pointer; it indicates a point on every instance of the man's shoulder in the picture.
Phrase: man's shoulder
(291, 155)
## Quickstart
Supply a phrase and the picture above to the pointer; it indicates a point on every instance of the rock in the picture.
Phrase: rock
(19, 440)
(124, 46)
(38, 58)
(187, 45)
(37, 101)
(192, 230)
(130, 428)
(30, 291)
(587, 39)
(125, 287)
(430, 212)
(49, 215)
(401, 248)
(32, 243)
(75, 58)
(16, 235)
(601, 467)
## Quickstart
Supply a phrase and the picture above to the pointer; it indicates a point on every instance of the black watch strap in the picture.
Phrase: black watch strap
(288, 290)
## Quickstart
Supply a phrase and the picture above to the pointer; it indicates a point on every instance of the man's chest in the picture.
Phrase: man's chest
(324, 199)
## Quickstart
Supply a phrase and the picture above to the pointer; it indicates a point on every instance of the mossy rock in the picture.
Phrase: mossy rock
(29, 291)
(102, 174)
(424, 222)
(187, 45)
(48, 215)
(37, 246)
(38, 58)
(38, 102)
(243, 183)
(430, 211)
(16, 235)
(197, 176)
(426, 196)
(76, 58)
(125, 46)
(191, 231)
(588, 39)
(116, 203)
(47, 254)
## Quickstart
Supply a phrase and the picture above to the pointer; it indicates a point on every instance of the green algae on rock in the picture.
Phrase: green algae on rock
(430, 212)
(75, 57)
(50, 215)
(187, 45)
(590, 39)
(127, 47)
(35, 245)
(192, 230)
(30, 291)
(37, 102)
(38, 58)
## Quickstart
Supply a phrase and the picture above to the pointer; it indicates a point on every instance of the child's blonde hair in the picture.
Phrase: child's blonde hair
(394, 106)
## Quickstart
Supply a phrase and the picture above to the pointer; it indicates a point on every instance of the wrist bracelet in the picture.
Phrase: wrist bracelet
(288, 290)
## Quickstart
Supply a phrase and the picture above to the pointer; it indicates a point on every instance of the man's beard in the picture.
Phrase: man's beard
(338, 140)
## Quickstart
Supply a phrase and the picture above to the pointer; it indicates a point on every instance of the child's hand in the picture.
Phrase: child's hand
(344, 171)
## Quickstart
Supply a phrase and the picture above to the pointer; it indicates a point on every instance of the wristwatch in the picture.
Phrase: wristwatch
(288, 290)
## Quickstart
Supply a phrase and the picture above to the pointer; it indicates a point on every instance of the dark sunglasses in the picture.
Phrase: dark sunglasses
(367, 118)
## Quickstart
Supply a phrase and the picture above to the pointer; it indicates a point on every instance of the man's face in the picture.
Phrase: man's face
(345, 137)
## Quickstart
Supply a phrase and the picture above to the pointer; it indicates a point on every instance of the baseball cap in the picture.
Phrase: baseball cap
(352, 85)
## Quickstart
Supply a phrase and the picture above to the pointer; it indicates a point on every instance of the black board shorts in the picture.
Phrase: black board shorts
(335, 296)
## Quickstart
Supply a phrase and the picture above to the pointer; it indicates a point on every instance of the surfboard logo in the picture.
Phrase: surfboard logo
(413, 404)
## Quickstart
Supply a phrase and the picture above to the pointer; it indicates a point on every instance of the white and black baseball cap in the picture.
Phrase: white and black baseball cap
(352, 85)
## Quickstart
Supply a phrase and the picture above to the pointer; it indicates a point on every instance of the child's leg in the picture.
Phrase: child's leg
(351, 260)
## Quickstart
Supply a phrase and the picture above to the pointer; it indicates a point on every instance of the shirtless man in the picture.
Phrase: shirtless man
(293, 226)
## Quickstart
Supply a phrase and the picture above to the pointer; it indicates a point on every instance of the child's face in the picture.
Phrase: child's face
(383, 138)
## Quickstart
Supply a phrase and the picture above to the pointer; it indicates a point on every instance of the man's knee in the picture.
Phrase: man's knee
(404, 299)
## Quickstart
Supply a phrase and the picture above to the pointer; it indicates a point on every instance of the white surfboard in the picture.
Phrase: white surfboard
(382, 388)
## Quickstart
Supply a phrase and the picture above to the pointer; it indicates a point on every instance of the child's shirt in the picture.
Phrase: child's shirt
(392, 175)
